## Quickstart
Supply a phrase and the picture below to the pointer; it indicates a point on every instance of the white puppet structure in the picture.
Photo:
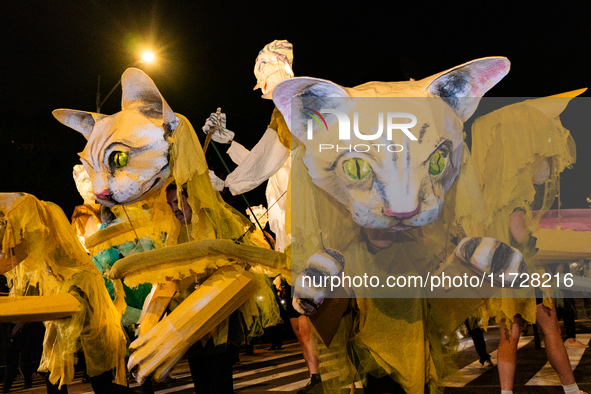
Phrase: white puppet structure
(269, 159)
(130, 156)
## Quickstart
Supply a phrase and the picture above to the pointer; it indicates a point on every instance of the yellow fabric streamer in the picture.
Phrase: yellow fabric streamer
(212, 216)
(151, 218)
(56, 260)
(278, 124)
(82, 214)
(509, 147)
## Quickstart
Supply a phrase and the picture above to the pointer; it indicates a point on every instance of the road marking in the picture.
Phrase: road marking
(264, 379)
(547, 376)
(472, 371)
(301, 383)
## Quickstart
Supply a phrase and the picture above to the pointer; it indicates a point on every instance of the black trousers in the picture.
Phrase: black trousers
(211, 370)
(101, 384)
(12, 363)
(567, 314)
(385, 384)
(479, 344)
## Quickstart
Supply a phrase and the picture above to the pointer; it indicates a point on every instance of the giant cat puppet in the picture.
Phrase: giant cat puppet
(130, 156)
(361, 212)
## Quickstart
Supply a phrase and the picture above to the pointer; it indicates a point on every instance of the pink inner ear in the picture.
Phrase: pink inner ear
(488, 76)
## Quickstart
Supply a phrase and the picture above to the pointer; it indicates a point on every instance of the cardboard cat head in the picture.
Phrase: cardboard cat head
(388, 189)
(126, 154)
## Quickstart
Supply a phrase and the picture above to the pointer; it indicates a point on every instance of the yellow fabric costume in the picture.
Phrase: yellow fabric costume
(58, 263)
(509, 147)
(399, 337)
(278, 124)
(212, 219)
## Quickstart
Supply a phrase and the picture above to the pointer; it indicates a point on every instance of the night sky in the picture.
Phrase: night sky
(52, 53)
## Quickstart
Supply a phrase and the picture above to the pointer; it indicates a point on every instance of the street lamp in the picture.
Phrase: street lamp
(147, 58)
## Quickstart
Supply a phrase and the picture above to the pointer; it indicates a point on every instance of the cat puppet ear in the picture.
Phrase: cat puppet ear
(309, 88)
(141, 94)
(80, 121)
(553, 106)
(463, 86)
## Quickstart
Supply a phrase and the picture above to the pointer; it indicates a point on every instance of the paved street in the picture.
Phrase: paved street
(284, 371)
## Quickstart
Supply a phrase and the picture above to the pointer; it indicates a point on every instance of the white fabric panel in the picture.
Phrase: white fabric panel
(237, 152)
(276, 186)
(265, 159)
(216, 182)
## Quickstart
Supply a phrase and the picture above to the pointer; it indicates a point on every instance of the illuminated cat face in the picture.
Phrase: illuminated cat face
(127, 153)
(403, 188)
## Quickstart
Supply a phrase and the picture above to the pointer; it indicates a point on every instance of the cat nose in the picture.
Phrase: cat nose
(402, 215)
(104, 195)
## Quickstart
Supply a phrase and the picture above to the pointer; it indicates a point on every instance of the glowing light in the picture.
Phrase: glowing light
(148, 57)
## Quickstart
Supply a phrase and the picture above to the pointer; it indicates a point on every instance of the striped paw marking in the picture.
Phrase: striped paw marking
(492, 257)
(313, 284)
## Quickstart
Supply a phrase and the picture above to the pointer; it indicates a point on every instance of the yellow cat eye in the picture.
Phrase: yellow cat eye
(357, 169)
(437, 162)
(120, 159)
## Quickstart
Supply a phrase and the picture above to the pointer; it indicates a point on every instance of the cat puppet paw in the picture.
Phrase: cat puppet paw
(216, 123)
(492, 257)
(307, 296)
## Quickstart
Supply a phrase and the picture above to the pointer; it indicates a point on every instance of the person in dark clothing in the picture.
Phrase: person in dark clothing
(479, 344)
(25, 346)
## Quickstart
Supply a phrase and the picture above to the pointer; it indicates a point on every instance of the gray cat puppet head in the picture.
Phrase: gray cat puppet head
(387, 190)
(127, 153)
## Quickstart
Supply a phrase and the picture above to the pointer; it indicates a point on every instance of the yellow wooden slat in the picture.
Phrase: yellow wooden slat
(37, 308)
(562, 245)
(158, 350)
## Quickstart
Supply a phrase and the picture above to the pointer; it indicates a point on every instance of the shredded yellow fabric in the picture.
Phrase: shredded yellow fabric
(278, 124)
(509, 146)
(58, 263)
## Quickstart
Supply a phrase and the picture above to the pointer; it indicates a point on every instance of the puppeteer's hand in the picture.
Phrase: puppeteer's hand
(217, 123)
(490, 256)
(307, 297)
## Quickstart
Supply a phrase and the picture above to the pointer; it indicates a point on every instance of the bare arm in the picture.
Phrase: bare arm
(517, 225)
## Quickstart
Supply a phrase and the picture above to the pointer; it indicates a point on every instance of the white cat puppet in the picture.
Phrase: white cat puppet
(387, 192)
(127, 153)
(127, 158)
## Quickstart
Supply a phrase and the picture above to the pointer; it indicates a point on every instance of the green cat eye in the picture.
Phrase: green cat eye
(437, 162)
(120, 159)
(357, 169)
